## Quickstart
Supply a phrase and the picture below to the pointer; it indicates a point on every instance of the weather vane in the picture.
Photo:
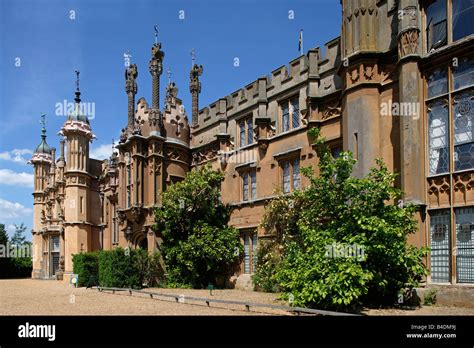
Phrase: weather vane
(193, 55)
(156, 34)
(43, 119)
(77, 78)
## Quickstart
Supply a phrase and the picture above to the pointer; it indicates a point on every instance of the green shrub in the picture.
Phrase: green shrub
(269, 257)
(86, 266)
(430, 297)
(338, 212)
(198, 245)
(118, 268)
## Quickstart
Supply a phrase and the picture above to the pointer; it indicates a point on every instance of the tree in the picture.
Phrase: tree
(3, 235)
(14, 266)
(343, 242)
(18, 236)
(198, 245)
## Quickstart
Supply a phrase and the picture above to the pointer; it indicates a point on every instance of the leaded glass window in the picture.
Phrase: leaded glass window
(245, 131)
(440, 246)
(463, 137)
(296, 173)
(463, 74)
(254, 252)
(437, 83)
(253, 182)
(286, 117)
(242, 133)
(246, 253)
(249, 131)
(463, 13)
(438, 137)
(290, 111)
(465, 244)
(245, 187)
(286, 177)
(295, 106)
(436, 24)
(55, 242)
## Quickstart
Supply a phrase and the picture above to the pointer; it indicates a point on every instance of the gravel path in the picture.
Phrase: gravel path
(50, 297)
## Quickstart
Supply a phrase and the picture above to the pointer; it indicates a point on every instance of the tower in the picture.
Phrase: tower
(361, 57)
(79, 183)
(42, 161)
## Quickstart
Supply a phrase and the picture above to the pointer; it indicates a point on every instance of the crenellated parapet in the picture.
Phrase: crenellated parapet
(314, 75)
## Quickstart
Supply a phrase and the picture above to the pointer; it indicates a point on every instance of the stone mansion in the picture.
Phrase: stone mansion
(415, 57)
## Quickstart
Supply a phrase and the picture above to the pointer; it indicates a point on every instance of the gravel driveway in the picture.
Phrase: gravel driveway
(50, 297)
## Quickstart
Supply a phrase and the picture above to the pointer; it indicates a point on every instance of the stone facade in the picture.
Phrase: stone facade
(257, 136)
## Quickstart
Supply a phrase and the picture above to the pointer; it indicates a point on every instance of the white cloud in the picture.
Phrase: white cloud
(13, 210)
(10, 229)
(11, 178)
(102, 152)
(16, 155)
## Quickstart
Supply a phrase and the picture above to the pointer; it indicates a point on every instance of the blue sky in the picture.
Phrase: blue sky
(42, 43)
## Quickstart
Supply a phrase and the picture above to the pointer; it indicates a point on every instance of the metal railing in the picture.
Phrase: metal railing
(247, 305)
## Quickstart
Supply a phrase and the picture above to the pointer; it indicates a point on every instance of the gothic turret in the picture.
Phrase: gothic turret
(78, 134)
(41, 160)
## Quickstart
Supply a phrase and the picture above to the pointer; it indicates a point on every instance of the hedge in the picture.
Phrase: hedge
(86, 266)
(118, 268)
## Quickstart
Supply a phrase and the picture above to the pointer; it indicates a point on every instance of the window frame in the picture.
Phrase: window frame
(449, 10)
(291, 163)
(287, 102)
(246, 175)
(248, 132)
(252, 236)
(447, 98)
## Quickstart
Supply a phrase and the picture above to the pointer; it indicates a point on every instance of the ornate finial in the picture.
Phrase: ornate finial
(193, 56)
(77, 79)
(156, 34)
(78, 92)
(168, 73)
(43, 123)
(43, 119)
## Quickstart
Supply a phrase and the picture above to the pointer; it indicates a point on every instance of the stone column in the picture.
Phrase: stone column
(131, 74)
(195, 89)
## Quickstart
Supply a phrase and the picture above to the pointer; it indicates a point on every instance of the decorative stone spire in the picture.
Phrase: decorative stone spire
(43, 146)
(77, 115)
(156, 68)
(43, 151)
(78, 92)
(195, 87)
(131, 88)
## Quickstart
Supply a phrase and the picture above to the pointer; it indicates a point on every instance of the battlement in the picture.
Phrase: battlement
(311, 65)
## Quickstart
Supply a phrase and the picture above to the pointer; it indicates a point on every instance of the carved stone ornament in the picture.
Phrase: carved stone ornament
(408, 43)
(137, 214)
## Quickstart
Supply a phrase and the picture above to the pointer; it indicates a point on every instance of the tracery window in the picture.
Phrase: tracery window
(450, 106)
